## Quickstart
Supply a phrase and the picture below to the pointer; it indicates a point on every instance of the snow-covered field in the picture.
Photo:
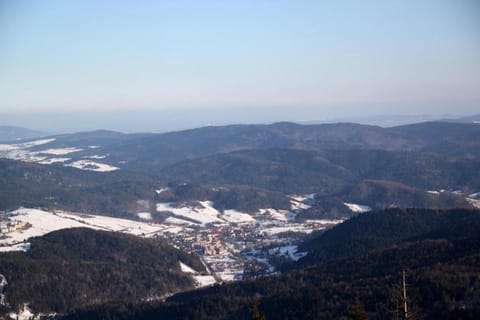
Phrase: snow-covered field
(43, 222)
(92, 166)
(203, 212)
(281, 215)
(302, 202)
(235, 216)
(60, 151)
(300, 228)
(20, 151)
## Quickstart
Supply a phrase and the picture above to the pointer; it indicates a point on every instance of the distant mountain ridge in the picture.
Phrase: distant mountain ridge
(148, 151)
(12, 133)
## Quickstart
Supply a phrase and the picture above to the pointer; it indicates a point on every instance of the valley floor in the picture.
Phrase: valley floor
(233, 245)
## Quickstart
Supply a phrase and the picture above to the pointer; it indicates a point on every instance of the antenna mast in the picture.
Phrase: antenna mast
(405, 307)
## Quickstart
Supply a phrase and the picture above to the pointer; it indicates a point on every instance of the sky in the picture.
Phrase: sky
(227, 61)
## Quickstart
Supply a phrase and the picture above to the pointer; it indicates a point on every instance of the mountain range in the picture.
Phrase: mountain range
(321, 220)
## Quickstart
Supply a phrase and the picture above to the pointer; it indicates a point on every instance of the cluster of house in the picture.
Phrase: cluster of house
(7, 226)
(207, 242)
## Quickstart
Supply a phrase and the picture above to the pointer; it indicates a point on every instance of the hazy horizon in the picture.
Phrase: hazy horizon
(227, 62)
(171, 120)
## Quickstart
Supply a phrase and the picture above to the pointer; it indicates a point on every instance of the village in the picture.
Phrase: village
(246, 249)
(231, 244)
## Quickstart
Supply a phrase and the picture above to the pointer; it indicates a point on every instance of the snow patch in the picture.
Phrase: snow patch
(357, 207)
(25, 246)
(203, 212)
(97, 157)
(235, 216)
(290, 251)
(299, 203)
(7, 147)
(475, 195)
(92, 166)
(324, 221)
(145, 215)
(161, 190)
(54, 160)
(187, 269)
(291, 228)
(60, 151)
(24, 314)
(474, 202)
(34, 143)
(281, 215)
(204, 281)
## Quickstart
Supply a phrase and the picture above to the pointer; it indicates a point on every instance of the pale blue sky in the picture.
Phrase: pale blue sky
(340, 57)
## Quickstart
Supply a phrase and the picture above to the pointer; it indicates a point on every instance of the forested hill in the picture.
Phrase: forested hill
(73, 268)
(52, 186)
(441, 258)
(147, 151)
(327, 171)
(380, 229)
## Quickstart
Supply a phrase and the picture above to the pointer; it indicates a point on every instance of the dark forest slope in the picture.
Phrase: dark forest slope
(441, 256)
(71, 268)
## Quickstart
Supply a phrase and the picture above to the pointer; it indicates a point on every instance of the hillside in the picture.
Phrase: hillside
(72, 268)
(30, 184)
(243, 198)
(441, 259)
(328, 171)
(379, 179)
(251, 180)
(281, 170)
(455, 139)
(372, 230)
